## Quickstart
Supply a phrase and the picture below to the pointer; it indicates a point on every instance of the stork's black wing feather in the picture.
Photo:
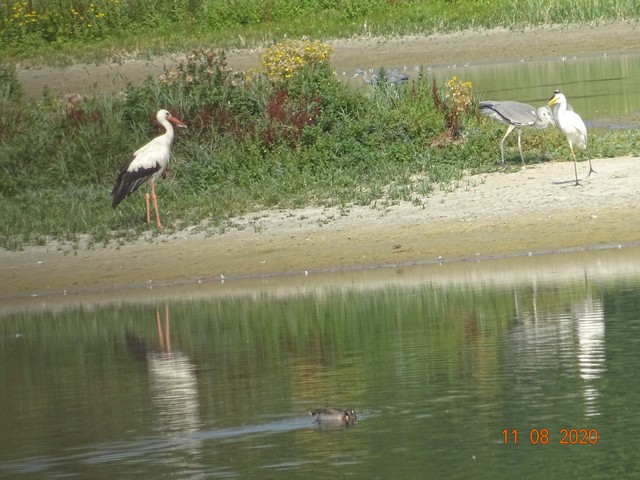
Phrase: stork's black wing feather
(129, 181)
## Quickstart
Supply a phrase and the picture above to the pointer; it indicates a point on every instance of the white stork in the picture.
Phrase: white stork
(147, 163)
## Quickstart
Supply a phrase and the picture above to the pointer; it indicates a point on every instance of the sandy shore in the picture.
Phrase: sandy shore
(535, 210)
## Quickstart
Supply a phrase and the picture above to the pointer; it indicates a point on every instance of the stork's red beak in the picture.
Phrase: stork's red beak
(177, 122)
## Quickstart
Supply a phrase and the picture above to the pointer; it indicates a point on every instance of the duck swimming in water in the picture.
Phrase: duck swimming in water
(335, 416)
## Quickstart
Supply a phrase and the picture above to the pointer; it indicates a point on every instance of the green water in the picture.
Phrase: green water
(604, 89)
(437, 363)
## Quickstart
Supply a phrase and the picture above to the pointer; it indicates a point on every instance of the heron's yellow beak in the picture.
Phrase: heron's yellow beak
(553, 100)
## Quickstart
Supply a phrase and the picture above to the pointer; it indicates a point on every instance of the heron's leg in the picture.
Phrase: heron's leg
(509, 130)
(146, 198)
(155, 202)
(591, 170)
(520, 146)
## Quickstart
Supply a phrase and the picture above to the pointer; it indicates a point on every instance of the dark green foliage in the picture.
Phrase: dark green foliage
(51, 144)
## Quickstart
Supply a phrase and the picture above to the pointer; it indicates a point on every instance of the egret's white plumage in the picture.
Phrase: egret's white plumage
(517, 115)
(554, 111)
(570, 123)
(147, 164)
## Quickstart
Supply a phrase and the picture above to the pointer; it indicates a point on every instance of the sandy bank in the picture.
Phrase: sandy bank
(535, 210)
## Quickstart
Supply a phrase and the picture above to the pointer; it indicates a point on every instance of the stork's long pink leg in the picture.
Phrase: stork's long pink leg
(155, 202)
(146, 198)
(160, 334)
(164, 338)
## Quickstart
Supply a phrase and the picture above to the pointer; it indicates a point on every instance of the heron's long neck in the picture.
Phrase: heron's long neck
(542, 120)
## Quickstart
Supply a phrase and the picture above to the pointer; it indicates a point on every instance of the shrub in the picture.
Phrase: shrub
(454, 103)
(283, 60)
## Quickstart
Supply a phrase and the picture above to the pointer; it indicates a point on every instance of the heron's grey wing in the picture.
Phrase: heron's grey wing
(488, 110)
(513, 113)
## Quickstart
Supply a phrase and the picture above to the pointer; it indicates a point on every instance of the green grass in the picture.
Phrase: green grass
(63, 32)
(254, 143)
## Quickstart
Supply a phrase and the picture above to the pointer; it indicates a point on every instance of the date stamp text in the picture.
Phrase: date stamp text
(543, 436)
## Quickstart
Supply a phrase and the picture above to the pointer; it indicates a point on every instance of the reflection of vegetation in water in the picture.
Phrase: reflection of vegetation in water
(426, 366)
(258, 356)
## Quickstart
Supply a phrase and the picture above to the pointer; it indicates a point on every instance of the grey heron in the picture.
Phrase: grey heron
(516, 115)
(392, 77)
(572, 126)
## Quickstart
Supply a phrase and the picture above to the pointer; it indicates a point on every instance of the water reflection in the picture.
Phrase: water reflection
(590, 326)
(570, 339)
(221, 385)
(172, 378)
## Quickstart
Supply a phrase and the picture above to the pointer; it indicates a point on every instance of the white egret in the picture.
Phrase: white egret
(147, 163)
(572, 126)
(517, 115)
(554, 111)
